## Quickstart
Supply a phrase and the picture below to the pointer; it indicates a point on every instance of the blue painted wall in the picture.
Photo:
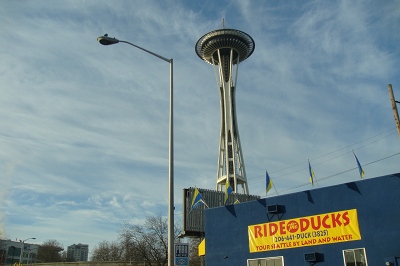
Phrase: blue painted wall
(377, 201)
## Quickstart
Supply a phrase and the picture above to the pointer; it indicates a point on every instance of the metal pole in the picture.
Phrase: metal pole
(105, 40)
(171, 174)
(22, 249)
(394, 107)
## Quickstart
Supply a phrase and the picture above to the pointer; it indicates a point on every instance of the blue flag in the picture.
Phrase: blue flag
(312, 176)
(228, 190)
(359, 167)
(197, 199)
(268, 182)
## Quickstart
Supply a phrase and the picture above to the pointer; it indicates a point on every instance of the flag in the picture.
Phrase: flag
(228, 190)
(268, 182)
(312, 176)
(359, 167)
(197, 199)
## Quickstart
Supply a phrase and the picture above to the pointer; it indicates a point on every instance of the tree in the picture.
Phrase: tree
(107, 251)
(3, 250)
(49, 251)
(147, 242)
(194, 259)
(127, 245)
(64, 256)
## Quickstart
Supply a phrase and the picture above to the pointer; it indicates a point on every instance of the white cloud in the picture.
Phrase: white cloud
(114, 202)
(84, 135)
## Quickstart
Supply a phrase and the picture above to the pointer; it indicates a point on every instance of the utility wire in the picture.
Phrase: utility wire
(324, 155)
(340, 173)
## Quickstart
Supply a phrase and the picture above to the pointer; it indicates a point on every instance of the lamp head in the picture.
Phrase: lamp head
(105, 40)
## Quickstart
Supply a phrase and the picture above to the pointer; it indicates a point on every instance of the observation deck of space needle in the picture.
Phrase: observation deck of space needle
(225, 49)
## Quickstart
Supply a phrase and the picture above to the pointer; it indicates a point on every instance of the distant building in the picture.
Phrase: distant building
(10, 252)
(78, 252)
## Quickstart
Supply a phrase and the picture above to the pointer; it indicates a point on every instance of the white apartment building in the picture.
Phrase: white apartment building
(78, 252)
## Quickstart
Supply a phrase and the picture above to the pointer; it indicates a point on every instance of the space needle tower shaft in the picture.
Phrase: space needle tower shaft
(225, 49)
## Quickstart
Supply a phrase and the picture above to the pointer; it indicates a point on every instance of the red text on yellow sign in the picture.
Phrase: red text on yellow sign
(313, 230)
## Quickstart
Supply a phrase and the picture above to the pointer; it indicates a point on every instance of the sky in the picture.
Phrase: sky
(84, 127)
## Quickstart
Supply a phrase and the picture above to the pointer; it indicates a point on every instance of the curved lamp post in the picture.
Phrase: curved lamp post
(22, 248)
(105, 40)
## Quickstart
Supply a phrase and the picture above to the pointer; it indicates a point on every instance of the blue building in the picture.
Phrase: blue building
(356, 223)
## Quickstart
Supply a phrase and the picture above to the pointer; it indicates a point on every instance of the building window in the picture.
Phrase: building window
(272, 261)
(355, 257)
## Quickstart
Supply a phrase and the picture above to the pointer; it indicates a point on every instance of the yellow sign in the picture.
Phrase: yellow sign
(313, 230)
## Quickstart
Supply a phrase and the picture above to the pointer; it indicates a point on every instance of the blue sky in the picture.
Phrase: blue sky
(84, 127)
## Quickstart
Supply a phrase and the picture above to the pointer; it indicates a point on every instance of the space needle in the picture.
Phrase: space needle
(225, 49)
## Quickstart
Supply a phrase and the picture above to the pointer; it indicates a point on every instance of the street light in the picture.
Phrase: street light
(105, 40)
(22, 249)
